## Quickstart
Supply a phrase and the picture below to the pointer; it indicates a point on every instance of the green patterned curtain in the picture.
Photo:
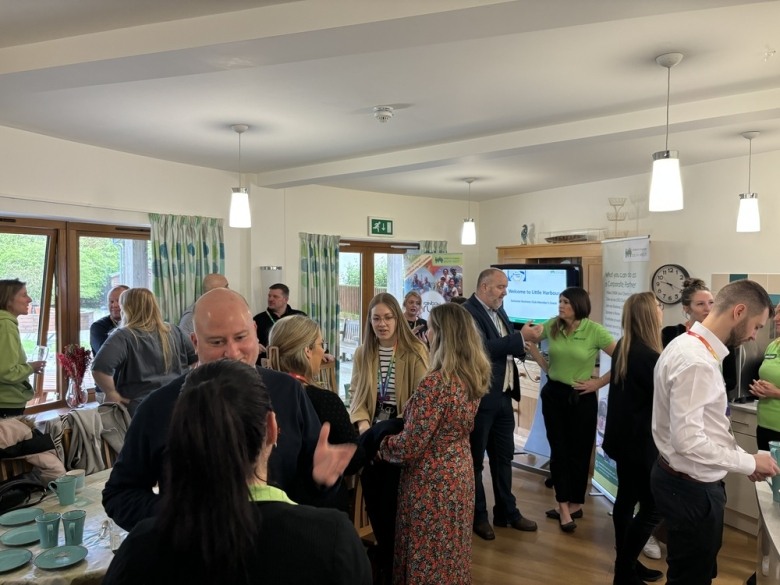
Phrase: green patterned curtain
(320, 284)
(184, 250)
(433, 246)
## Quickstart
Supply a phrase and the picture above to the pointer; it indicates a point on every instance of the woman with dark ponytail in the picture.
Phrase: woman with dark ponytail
(221, 519)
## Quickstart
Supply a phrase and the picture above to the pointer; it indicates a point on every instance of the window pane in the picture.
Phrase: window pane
(349, 314)
(23, 256)
(105, 262)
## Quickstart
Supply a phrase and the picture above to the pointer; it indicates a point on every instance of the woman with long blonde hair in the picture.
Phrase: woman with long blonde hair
(433, 532)
(387, 368)
(628, 437)
(295, 346)
(388, 365)
(142, 354)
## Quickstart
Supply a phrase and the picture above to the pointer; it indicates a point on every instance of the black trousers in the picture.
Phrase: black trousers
(494, 432)
(10, 412)
(570, 418)
(632, 532)
(694, 520)
(764, 435)
(380, 481)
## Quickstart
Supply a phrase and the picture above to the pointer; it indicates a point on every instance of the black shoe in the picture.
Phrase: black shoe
(548, 483)
(568, 527)
(556, 515)
(647, 574)
(483, 530)
(521, 523)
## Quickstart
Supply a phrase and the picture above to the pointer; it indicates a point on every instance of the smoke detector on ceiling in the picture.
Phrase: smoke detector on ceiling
(383, 113)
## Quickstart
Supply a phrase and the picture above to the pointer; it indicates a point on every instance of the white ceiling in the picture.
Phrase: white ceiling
(524, 95)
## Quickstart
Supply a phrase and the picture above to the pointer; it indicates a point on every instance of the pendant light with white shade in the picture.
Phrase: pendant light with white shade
(240, 214)
(468, 234)
(748, 218)
(666, 192)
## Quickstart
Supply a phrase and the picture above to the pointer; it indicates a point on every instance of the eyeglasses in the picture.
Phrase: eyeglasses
(376, 320)
(323, 345)
(659, 305)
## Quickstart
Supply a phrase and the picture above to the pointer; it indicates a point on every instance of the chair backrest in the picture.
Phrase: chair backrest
(328, 376)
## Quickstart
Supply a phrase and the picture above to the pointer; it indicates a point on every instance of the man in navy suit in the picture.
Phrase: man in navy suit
(494, 424)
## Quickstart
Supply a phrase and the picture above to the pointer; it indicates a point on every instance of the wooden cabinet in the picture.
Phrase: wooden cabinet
(588, 254)
(741, 505)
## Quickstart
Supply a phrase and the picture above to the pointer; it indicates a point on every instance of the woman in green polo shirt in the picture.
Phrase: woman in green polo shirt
(767, 389)
(570, 400)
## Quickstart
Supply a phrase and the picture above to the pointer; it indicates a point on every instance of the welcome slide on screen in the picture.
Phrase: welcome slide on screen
(532, 295)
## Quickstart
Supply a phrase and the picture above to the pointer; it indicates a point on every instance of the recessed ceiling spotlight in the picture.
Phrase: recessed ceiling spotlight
(383, 113)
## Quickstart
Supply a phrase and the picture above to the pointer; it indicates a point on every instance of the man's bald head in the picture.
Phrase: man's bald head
(224, 328)
(214, 280)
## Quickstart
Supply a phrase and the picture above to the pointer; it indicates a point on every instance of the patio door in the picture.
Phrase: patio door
(365, 269)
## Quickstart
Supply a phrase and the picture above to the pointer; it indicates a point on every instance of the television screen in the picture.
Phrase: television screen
(532, 294)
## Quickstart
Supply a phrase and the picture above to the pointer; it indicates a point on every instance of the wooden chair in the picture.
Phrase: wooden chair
(328, 376)
(12, 467)
(357, 508)
(109, 455)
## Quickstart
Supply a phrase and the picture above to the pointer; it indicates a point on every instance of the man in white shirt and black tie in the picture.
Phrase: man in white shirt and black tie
(691, 428)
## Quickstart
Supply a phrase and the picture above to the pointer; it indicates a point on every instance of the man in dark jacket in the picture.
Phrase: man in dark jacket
(301, 464)
(494, 425)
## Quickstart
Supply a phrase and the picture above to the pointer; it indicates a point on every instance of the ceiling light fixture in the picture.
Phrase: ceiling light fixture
(383, 113)
(666, 192)
(748, 218)
(468, 234)
(240, 215)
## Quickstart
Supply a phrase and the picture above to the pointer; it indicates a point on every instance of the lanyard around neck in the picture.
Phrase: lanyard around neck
(301, 379)
(271, 317)
(383, 383)
(706, 344)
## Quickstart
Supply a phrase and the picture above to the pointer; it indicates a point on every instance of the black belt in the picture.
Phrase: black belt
(668, 469)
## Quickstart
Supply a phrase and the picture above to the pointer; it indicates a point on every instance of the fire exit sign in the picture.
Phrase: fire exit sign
(378, 226)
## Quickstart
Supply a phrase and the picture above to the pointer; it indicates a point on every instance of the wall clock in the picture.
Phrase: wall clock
(667, 283)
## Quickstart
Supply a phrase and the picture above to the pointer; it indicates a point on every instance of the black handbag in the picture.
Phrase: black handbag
(22, 491)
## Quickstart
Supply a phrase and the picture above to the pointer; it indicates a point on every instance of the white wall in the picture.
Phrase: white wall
(702, 237)
(279, 216)
(50, 178)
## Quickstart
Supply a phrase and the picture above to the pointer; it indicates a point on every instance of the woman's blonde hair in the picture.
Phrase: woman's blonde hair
(411, 293)
(368, 362)
(140, 312)
(457, 350)
(288, 340)
(640, 325)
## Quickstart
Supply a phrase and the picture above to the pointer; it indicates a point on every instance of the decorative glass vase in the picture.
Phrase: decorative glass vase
(76, 396)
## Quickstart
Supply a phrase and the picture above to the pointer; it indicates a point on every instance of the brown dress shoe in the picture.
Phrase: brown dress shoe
(483, 530)
(521, 523)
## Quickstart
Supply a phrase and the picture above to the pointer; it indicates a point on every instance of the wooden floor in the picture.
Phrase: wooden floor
(552, 557)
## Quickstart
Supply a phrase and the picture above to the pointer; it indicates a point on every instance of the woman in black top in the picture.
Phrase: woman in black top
(295, 346)
(220, 521)
(628, 437)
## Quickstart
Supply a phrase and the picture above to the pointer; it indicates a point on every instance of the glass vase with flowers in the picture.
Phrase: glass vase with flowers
(75, 360)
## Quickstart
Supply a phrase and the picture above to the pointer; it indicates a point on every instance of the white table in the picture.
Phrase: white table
(93, 568)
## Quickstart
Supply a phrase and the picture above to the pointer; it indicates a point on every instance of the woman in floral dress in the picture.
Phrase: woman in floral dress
(436, 494)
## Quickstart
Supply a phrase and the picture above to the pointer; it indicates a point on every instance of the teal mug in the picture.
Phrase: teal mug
(65, 488)
(774, 450)
(48, 529)
(73, 526)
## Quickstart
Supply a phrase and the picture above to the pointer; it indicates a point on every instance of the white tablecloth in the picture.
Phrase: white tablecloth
(91, 569)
